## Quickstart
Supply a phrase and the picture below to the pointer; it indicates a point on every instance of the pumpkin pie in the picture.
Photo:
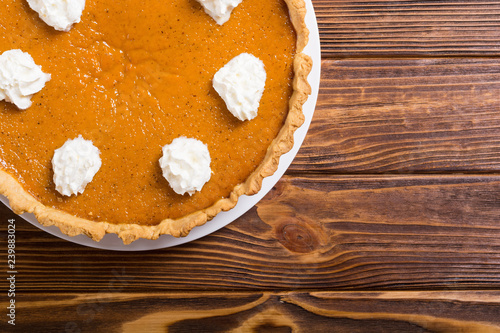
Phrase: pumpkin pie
(129, 78)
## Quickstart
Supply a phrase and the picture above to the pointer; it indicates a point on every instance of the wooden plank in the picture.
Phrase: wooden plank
(309, 233)
(363, 28)
(405, 115)
(109, 311)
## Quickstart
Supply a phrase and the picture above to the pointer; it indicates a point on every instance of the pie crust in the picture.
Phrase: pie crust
(21, 201)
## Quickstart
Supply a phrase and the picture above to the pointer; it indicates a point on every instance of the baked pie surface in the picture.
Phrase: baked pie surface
(132, 78)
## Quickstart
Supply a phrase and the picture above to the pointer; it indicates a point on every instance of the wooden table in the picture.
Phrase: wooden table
(388, 219)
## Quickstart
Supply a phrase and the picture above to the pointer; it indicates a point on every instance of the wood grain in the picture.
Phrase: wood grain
(387, 220)
(405, 115)
(309, 233)
(389, 28)
(109, 311)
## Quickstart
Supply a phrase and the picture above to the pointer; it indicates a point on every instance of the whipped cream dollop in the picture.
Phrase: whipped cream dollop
(186, 165)
(241, 84)
(20, 78)
(60, 14)
(219, 10)
(75, 165)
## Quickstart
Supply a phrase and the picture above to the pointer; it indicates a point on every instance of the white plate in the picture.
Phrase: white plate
(112, 242)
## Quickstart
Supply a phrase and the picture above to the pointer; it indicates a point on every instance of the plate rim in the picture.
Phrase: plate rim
(113, 243)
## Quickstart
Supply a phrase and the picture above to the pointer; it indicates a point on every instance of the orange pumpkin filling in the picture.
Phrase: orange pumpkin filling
(132, 76)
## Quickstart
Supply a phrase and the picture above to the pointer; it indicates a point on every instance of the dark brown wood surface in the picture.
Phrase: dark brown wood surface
(388, 220)
(385, 28)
